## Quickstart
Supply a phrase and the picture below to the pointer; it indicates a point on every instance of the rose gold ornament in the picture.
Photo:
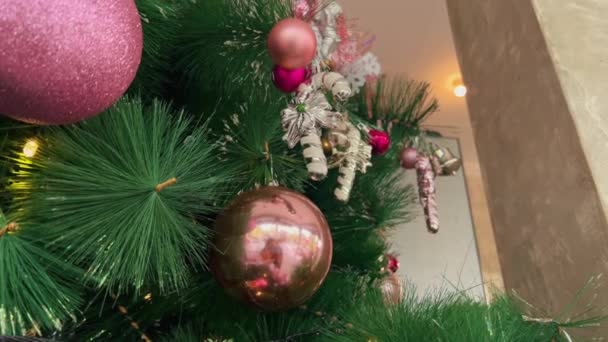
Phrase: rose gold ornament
(408, 158)
(292, 43)
(391, 288)
(273, 248)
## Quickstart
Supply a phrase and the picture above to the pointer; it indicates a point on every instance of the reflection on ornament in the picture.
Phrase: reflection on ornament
(273, 248)
(30, 148)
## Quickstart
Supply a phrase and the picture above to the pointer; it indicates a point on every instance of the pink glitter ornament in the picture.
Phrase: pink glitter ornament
(65, 60)
(380, 141)
(408, 158)
(292, 43)
(288, 81)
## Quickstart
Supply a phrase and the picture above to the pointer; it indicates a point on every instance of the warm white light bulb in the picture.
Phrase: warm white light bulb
(30, 148)
(460, 90)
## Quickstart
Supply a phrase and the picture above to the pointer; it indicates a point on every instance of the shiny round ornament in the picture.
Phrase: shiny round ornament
(391, 288)
(327, 145)
(273, 248)
(66, 60)
(408, 158)
(380, 141)
(292, 43)
(392, 263)
(287, 80)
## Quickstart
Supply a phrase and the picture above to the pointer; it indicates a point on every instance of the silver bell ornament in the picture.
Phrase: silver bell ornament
(450, 164)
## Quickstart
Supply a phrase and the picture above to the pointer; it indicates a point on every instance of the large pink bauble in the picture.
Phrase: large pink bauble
(292, 43)
(273, 248)
(288, 81)
(65, 60)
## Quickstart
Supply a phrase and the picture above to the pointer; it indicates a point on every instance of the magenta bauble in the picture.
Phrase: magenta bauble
(66, 60)
(288, 81)
(408, 158)
(392, 263)
(380, 141)
(292, 43)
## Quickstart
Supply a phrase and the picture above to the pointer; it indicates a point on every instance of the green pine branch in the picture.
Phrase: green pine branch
(251, 139)
(161, 21)
(38, 291)
(404, 102)
(223, 45)
(94, 190)
(379, 201)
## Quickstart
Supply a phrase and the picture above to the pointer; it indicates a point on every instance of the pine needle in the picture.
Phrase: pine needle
(94, 193)
(38, 290)
(160, 21)
(399, 100)
(224, 44)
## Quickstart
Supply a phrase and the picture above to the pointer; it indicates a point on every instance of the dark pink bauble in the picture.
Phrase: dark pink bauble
(65, 60)
(292, 43)
(288, 81)
(380, 141)
(408, 158)
(393, 263)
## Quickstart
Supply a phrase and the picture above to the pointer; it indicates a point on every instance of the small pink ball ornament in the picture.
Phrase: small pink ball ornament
(288, 81)
(380, 141)
(393, 263)
(408, 158)
(65, 60)
(292, 43)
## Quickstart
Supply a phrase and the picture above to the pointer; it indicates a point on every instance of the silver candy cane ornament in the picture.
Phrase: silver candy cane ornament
(308, 113)
(302, 122)
(356, 158)
(426, 192)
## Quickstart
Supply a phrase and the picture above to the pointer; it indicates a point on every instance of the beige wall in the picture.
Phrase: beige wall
(550, 226)
(576, 32)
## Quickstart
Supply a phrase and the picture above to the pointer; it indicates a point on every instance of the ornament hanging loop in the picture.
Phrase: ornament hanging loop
(162, 186)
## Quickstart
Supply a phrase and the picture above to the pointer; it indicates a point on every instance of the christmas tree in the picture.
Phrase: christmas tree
(218, 170)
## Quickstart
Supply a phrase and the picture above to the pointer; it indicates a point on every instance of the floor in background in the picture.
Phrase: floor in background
(447, 260)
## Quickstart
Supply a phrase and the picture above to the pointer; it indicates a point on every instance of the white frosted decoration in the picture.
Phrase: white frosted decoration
(302, 121)
(306, 115)
(318, 62)
(334, 82)
(314, 156)
(324, 26)
(359, 71)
